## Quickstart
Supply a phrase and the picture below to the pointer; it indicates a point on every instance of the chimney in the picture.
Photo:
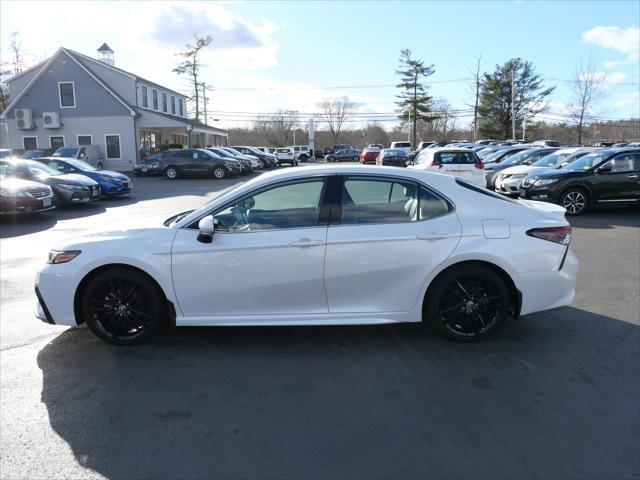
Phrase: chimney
(105, 54)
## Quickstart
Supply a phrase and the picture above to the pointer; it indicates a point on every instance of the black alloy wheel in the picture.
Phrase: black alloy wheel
(575, 201)
(122, 306)
(468, 303)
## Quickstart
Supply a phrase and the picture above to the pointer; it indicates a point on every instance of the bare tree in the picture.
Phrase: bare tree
(5, 71)
(444, 121)
(475, 86)
(587, 89)
(16, 49)
(335, 112)
(277, 128)
(190, 67)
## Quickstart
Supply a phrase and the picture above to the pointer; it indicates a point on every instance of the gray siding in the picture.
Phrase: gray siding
(116, 81)
(91, 98)
(18, 84)
(97, 127)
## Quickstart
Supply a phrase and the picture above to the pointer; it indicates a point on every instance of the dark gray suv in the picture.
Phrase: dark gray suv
(192, 162)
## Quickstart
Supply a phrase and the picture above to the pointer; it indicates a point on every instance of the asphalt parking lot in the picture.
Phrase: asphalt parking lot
(553, 395)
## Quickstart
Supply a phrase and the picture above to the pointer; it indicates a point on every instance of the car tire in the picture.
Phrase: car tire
(575, 201)
(467, 303)
(171, 173)
(332, 159)
(219, 173)
(122, 306)
(355, 159)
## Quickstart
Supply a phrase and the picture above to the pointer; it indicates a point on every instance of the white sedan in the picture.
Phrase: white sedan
(321, 245)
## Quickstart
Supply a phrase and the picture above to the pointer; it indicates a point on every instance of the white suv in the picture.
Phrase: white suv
(293, 154)
(458, 162)
(406, 146)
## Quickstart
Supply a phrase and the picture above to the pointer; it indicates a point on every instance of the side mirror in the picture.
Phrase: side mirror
(606, 168)
(206, 227)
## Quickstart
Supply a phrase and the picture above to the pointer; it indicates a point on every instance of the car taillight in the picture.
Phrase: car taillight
(479, 165)
(561, 235)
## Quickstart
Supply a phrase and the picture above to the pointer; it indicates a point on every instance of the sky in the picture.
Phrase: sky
(267, 56)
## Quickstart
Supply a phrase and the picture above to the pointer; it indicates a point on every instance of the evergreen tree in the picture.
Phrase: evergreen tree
(414, 103)
(528, 97)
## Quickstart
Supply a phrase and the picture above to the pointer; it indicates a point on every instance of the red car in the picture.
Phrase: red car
(369, 155)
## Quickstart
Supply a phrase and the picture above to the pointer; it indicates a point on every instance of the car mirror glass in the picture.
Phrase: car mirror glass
(206, 228)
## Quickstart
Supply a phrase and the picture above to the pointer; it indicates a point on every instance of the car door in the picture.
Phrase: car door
(266, 256)
(617, 179)
(384, 240)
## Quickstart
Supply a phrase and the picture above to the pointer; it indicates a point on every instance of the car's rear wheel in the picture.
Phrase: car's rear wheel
(122, 306)
(575, 201)
(100, 166)
(467, 303)
(171, 173)
(219, 173)
(332, 159)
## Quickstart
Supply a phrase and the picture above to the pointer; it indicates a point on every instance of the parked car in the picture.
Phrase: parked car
(369, 154)
(91, 154)
(603, 144)
(603, 177)
(546, 143)
(31, 154)
(149, 165)
(5, 152)
(392, 157)
(192, 162)
(421, 146)
(340, 146)
(268, 159)
(509, 180)
(406, 146)
(248, 163)
(523, 157)
(390, 237)
(346, 155)
(111, 183)
(293, 155)
(68, 188)
(376, 145)
(255, 161)
(461, 163)
(24, 196)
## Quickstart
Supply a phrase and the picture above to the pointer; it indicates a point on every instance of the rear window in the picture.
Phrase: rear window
(483, 191)
(401, 144)
(455, 158)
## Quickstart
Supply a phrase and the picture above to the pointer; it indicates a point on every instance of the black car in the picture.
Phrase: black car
(523, 157)
(604, 177)
(148, 165)
(268, 159)
(69, 188)
(393, 157)
(192, 162)
(23, 196)
(245, 162)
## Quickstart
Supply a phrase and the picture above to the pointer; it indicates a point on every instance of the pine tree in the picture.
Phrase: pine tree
(414, 103)
(190, 67)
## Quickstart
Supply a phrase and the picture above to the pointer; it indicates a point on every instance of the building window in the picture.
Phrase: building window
(154, 94)
(30, 143)
(173, 105)
(145, 101)
(85, 140)
(56, 142)
(180, 107)
(149, 140)
(67, 95)
(164, 102)
(113, 146)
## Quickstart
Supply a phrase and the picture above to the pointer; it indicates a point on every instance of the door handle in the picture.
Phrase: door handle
(632, 177)
(306, 242)
(432, 236)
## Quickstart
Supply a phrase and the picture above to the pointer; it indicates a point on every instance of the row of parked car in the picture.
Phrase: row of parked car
(32, 183)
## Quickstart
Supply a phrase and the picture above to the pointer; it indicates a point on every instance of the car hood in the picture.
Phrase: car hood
(72, 178)
(559, 173)
(523, 169)
(18, 184)
(109, 173)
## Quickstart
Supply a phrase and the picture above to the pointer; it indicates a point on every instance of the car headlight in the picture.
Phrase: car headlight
(56, 256)
(106, 178)
(74, 188)
(519, 175)
(544, 181)
(13, 193)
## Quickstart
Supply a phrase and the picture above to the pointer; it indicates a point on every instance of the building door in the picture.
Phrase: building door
(30, 143)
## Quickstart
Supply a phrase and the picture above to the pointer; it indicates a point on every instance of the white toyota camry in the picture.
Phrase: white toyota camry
(321, 245)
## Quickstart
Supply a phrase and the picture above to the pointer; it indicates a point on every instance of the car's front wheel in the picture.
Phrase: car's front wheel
(219, 173)
(575, 201)
(332, 159)
(467, 303)
(122, 306)
(171, 173)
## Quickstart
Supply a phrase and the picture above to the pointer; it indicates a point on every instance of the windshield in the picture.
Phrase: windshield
(80, 165)
(551, 160)
(588, 161)
(255, 150)
(66, 152)
(39, 169)
(221, 152)
(393, 151)
(401, 144)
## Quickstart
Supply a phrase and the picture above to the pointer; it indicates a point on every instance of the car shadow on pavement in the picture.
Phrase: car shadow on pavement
(608, 218)
(552, 395)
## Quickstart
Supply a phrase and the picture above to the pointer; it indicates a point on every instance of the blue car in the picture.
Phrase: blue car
(111, 183)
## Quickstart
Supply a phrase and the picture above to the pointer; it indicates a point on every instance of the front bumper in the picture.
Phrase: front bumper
(86, 194)
(17, 205)
(541, 194)
(116, 188)
(508, 185)
(142, 169)
(42, 312)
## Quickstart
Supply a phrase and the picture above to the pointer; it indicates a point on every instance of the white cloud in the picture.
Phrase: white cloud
(606, 78)
(629, 99)
(626, 41)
